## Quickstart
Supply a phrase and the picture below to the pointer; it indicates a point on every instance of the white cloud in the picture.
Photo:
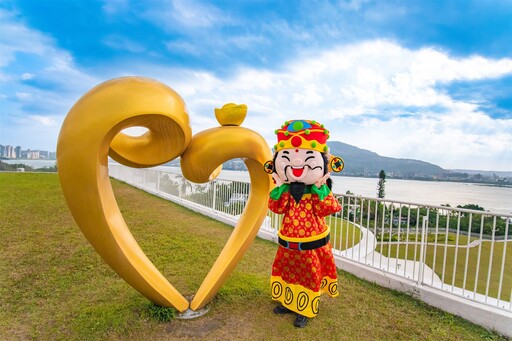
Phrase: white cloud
(354, 5)
(16, 37)
(123, 43)
(44, 120)
(52, 63)
(182, 47)
(27, 76)
(245, 41)
(364, 94)
(312, 95)
(23, 96)
(468, 139)
(112, 7)
(35, 108)
(189, 14)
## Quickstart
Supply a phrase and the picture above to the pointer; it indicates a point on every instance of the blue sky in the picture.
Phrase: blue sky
(428, 80)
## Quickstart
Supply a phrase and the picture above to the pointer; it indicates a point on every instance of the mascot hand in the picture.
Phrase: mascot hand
(277, 179)
(322, 180)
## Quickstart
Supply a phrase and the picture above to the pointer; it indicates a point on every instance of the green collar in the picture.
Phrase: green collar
(322, 192)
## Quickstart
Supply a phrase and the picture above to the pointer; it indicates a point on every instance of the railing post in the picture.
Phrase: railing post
(423, 245)
(214, 194)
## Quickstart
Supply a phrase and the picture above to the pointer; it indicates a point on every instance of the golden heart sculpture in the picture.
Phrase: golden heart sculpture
(92, 131)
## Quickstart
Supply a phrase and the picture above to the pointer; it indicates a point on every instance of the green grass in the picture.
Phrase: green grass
(53, 286)
(450, 238)
(472, 261)
(344, 234)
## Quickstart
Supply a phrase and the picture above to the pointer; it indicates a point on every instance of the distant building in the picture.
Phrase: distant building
(43, 154)
(9, 152)
(33, 154)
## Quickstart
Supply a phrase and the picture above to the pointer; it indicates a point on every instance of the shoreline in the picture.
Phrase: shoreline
(465, 181)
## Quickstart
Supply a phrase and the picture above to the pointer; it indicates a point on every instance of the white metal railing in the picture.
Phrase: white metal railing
(462, 252)
(425, 244)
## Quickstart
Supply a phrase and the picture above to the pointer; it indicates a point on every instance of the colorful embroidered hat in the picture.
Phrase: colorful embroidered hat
(302, 134)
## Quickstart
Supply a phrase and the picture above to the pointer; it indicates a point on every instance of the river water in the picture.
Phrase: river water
(32, 163)
(492, 198)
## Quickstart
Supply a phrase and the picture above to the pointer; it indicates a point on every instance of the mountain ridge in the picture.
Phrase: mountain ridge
(362, 162)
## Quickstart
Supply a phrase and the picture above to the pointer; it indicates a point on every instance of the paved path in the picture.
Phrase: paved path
(474, 243)
(364, 252)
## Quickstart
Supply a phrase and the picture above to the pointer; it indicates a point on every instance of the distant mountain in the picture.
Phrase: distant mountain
(504, 174)
(363, 162)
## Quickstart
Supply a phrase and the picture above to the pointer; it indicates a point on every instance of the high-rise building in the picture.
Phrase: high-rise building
(32, 154)
(43, 154)
(9, 152)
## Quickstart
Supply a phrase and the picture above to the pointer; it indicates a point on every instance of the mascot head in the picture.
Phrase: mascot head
(302, 157)
(300, 152)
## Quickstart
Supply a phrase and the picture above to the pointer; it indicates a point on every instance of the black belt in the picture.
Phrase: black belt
(304, 245)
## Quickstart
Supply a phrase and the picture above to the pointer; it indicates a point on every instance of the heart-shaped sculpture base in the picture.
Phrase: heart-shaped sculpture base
(92, 131)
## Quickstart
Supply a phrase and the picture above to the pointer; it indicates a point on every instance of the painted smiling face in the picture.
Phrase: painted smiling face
(299, 165)
(300, 149)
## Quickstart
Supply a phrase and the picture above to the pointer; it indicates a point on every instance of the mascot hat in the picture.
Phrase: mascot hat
(303, 134)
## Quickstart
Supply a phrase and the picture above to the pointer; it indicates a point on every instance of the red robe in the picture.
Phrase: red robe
(299, 277)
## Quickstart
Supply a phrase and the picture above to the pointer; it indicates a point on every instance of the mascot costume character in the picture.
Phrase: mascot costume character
(304, 266)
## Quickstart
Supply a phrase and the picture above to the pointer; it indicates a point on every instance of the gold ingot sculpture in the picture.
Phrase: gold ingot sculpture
(92, 131)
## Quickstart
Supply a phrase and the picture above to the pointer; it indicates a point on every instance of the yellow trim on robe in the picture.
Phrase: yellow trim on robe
(305, 239)
(299, 299)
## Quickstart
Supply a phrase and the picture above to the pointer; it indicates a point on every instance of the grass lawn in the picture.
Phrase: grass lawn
(344, 234)
(458, 255)
(53, 286)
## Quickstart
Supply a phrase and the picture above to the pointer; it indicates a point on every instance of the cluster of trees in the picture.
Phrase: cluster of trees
(375, 214)
(8, 167)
